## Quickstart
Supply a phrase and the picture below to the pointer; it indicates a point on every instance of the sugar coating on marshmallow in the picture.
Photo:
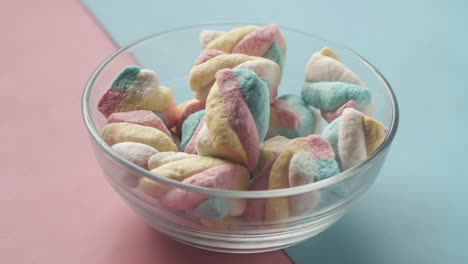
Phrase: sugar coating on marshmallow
(227, 176)
(266, 70)
(134, 152)
(126, 132)
(190, 129)
(329, 116)
(329, 96)
(228, 40)
(266, 41)
(332, 87)
(301, 161)
(139, 89)
(291, 117)
(354, 137)
(177, 170)
(184, 110)
(237, 114)
(325, 65)
(208, 55)
(158, 159)
(202, 76)
(206, 36)
(269, 150)
(140, 117)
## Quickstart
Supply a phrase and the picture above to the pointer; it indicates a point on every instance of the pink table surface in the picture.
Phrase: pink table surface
(56, 206)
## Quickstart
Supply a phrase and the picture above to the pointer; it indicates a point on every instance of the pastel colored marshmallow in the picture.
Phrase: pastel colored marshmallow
(126, 132)
(206, 36)
(136, 153)
(160, 158)
(228, 176)
(139, 89)
(237, 115)
(301, 161)
(202, 75)
(201, 171)
(177, 170)
(190, 129)
(331, 98)
(185, 110)
(140, 117)
(291, 117)
(207, 55)
(354, 137)
(326, 66)
(269, 151)
(266, 41)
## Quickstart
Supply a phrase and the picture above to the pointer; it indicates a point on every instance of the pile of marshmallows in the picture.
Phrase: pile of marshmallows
(237, 134)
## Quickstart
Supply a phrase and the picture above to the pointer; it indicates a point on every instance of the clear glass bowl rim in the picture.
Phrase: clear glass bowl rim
(95, 135)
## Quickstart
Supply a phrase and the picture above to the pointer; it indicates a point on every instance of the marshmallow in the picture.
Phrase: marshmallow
(269, 151)
(333, 97)
(136, 153)
(139, 89)
(237, 114)
(161, 158)
(126, 132)
(200, 171)
(208, 55)
(266, 41)
(184, 110)
(346, 90)
(325, 65)
(202, 75)
(206, 36)
(190, 129)
(301, 161)
(140, 117)
(235, 81)
(291, 117)
(228, 177)
(354, 137)
(178, 170)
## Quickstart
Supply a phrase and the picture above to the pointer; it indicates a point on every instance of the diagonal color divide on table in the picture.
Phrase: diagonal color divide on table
(416, 211)
(56, 206)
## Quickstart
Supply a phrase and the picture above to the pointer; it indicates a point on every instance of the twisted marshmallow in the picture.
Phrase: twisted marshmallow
(184, 110)
(291, 117)
(266, 41)
(200, 171)
(202, 75)
(354, 137)
(139, 89)
(332, 87)
(301, 161)
(237, 114)
(114, 133)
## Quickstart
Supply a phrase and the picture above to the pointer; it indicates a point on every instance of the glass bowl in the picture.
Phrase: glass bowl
(171, 54)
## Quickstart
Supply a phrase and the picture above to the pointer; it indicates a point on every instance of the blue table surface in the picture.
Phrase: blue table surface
(417, 211)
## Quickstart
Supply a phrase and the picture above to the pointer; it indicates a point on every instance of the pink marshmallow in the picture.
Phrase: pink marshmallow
(332, 115)
(140, 117)
(224, 176)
